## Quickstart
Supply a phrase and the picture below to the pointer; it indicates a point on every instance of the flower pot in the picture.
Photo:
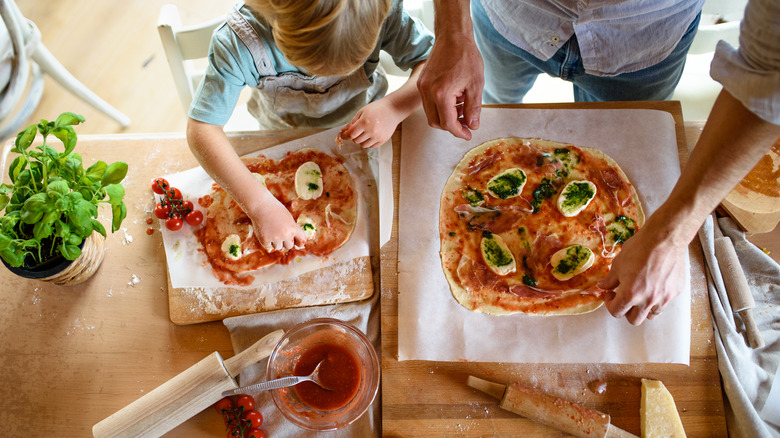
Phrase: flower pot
(69, 272)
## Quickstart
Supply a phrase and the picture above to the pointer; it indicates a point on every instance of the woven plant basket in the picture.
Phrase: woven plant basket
(81, 269)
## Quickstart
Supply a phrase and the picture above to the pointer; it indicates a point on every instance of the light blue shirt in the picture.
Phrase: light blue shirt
(751, 73)
(231, 66)
(614, 36)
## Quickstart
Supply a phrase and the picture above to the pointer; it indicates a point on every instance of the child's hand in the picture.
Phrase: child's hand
(373, 125)
(274, 226)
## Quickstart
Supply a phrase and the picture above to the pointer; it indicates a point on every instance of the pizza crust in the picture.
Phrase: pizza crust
(458, 258)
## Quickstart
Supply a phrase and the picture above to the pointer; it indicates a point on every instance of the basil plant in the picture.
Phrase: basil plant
(51, 204)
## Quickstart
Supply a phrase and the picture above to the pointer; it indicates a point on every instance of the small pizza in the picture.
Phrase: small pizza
(317, 190)
(529, 225)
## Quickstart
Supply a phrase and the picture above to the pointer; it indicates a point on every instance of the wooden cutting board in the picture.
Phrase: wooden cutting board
(341, 283)
(755, 201)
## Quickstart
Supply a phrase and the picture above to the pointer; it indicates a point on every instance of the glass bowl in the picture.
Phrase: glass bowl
(310, 338)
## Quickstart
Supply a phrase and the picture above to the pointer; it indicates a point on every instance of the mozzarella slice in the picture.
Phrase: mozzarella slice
(308, 181)
(259, 177)
(575, 196)
(571, 261)
(619, 230)
(231, 247)
(507, 184)
(473, 196)
(307, 225)
(497, 255)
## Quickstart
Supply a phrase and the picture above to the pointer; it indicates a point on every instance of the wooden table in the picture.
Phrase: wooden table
(431, 399)
(70, 356)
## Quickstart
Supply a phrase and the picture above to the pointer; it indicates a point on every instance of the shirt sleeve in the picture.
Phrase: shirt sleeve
(751, 73)
(227, 73)
(405, 38)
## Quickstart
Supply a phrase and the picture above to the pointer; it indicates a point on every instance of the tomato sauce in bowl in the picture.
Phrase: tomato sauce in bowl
(339, 373)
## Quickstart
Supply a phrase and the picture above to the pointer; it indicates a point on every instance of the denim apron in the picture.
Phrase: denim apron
(294, 100)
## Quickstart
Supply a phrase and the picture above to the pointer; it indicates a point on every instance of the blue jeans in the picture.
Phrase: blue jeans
(510, 71)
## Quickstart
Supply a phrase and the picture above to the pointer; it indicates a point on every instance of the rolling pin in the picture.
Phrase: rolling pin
(737, 287)
(549, 410)
(188, 393)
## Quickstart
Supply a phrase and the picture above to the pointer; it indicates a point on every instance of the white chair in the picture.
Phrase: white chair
(186, 48)
(23, 61)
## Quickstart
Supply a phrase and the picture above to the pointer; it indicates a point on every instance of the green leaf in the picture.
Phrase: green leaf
(67, 136)
(96, 171)
(75, 239)
(118, 214)
(17, 166)
(42, 230)
(33, 208)
(13, 258)
(68, 118)
(50, 152)
(70, 252)
(4, 199)
(24, 139)
(57, 189)
(115, 193)
(81, 214)
(61, 229)
(115, 173)
(5, 241)
(97, 226)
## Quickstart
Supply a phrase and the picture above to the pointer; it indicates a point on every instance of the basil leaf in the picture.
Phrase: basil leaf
(118, 214)
(115, 193)
(97, 226)
(115, 173)
(70, 252)
(68, 118)
(57, 189)
(67, 136)
(24, 139)
(17, 166)
(96, 171)
(42, 230)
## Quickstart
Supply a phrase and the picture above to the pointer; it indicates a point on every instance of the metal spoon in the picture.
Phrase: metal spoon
(279, 383)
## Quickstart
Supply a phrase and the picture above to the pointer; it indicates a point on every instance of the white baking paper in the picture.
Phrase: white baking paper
(431, 323)
(188, 267)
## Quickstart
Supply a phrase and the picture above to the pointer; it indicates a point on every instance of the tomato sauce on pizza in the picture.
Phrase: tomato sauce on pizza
(529, 225)
(314, 186)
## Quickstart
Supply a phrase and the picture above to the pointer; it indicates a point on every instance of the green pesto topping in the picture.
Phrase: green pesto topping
(494, 254)
(313, 172)
(576, 255)
(473, 196)
(308, 227)
(529, 280)
(507, 184)
(621, 229)
(313, 187)
(234, 249)
(577, 194)
(545, 190)
(452, 234)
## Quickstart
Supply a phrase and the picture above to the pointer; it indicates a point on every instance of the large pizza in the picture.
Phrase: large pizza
(530, 225)
(314, 186)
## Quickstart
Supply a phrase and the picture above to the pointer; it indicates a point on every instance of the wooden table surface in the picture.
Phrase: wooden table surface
(71, 356)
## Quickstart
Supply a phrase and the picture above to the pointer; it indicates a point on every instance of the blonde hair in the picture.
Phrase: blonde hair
(324, 37)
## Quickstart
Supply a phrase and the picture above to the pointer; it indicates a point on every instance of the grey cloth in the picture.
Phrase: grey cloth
(747, 374)
(246, 330)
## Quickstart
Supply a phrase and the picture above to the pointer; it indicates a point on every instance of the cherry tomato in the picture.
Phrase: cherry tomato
(187, 205)
(224, 405)
(254, 433)
(174, 222)
(159, 185)
(162, 211)
(176, 193)
(194, 218)
(245, 401)
(254, 418)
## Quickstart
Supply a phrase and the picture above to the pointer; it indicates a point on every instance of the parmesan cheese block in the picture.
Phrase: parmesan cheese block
(497, 255)
(507, 184)
(308, 181)
(571, 261)
(658, 413)
(575, 196)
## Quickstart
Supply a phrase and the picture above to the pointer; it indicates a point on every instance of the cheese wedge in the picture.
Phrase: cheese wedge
(575, 196)
(497, 255)
(231, 247)
(571, 261)
(658, 413)
(307, 225)
(507, 184)
(308, 181)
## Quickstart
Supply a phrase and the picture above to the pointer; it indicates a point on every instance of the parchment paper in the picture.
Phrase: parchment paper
(188, 267)
(433, 326)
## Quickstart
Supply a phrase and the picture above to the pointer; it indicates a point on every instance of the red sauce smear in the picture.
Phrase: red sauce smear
(339, 372)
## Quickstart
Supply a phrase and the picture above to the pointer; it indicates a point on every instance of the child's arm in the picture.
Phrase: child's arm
(274, 226)
(375, 123)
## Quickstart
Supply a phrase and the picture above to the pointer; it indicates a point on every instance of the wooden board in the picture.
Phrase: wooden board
(431, 399)
(755, 201)
(341, 283)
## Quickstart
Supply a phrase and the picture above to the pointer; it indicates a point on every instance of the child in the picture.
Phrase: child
(312, 64)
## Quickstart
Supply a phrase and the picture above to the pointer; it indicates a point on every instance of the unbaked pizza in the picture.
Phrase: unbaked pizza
(314, 186)
(529, 225)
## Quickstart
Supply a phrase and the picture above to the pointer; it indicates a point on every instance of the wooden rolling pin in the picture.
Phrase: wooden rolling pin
(178, 399)
(549, 410)
(737, 287)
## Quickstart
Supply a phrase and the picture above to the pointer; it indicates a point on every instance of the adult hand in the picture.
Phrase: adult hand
(646, 275)
(451, 84)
